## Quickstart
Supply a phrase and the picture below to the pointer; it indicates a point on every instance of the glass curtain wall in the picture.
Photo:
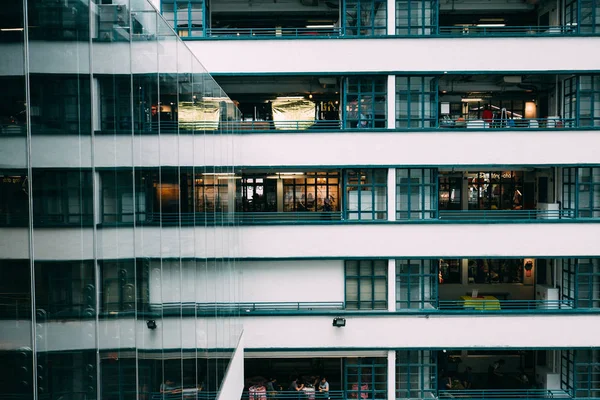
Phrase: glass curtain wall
(91, 91)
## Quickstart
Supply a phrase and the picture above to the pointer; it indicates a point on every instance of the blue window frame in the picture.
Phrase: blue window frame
(365, 102)
(187, 17)
(586, 379)
(365, 194)
(365, 17)
(581, 103)
(589, 16)
(416, 17)
(416, 102)
(62, 197)
(366, 284)
(14, 205)
(581, 282)
(65, 289)
(416, 374)
(365, 378)
(416, 284)
(581, 192)
(416, 193)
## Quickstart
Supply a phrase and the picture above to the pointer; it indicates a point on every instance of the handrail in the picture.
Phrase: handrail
(506, 30)
(178, 394)
(494, 215)
(497, 305)
(300, 395)
(241, 217)
(272, 32)
(504, 394)
(248, 307)
(521, 123)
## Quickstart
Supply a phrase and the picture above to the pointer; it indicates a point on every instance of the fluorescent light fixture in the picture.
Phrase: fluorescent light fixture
(218, 173)
(491, 19)
(289, 98)
(468, 100)
(291, 173)
(11, 29)
(319, 26)
(490, 25)
(221, 178)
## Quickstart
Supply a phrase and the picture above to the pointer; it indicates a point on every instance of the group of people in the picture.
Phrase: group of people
(310, 389)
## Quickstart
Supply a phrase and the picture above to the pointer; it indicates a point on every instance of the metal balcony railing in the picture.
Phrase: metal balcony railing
(241, 218)
(504, 394)
(238, 33)
(502, 215)
(505, 30)
(497, 305)
(245, 308)
(309, 394)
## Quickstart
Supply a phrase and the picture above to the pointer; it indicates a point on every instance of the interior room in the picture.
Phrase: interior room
(499, 101)
(273, 18)
(286, 102)
(502, 283)
(491, 369)
(496, 189)
(498, 16)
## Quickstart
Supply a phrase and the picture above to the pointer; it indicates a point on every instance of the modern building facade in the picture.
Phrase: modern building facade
(424, 170)
(99, 264)
(401, 196)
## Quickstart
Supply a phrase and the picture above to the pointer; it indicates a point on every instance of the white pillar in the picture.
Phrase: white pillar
(391, 194)
(391, 17)
(280, 195)
(391, 375)
(391, 102)
(391, 287)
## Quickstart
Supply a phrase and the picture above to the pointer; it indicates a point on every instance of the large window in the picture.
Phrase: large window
(185, 16)
(60, 105)
(582, 101)
(67, 374)
(365, 17)
(589, 16)
(365, 102)
(416, 284)
(495, 190)
(581, 192)
(581, 282)
(416, 374)
(62, 197)
(256, 193)
(311, 191)
(366, 378)
(15, 290)
(416, 102)
(117, 198)
(416, 193)
(366, 194)
(65, 289)
(589, 98)
(14, 205)
(366, 284)
(124, 285)
(416, 17)
(211, 193)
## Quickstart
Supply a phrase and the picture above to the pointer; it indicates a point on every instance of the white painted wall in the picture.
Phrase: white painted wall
(233, 382)
(398, 54)
(259, 281)
(394, 240)
(317, 332)
(473, 147)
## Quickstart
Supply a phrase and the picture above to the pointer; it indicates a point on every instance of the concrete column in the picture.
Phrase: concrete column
(391, 102)
(391, 17)
(280, 195)
(391, 375)
(391, 194)
(391, 287)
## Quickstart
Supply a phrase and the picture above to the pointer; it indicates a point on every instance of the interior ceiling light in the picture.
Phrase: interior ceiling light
(467, 100)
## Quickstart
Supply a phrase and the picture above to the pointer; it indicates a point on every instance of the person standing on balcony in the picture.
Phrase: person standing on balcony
(324, 388)
(487, 115)
(296, 385)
